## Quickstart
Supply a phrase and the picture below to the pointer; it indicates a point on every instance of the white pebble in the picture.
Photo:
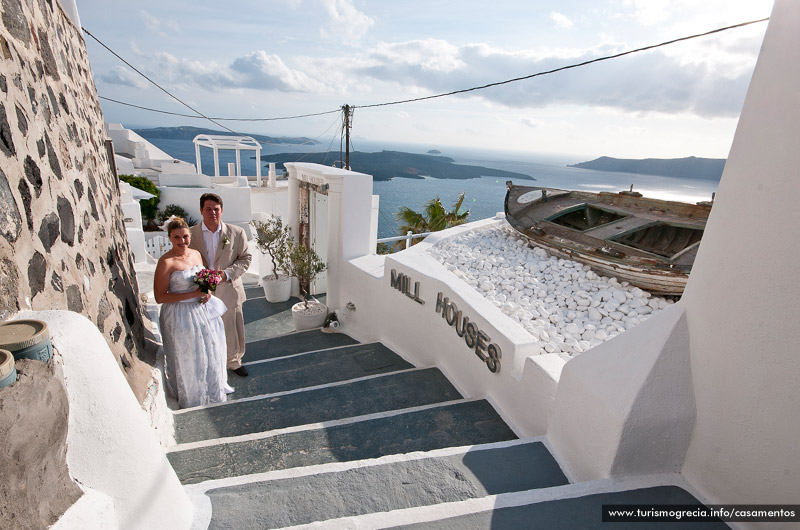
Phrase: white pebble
(566, 307)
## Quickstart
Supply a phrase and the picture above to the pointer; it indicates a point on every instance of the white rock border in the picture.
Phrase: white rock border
(562, 303)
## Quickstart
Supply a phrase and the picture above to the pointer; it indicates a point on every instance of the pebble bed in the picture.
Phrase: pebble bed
(563, 304)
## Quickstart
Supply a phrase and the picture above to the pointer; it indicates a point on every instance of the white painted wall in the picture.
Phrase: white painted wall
(112, 451)
(271, 201)
(265, 202)
(71, 10)
(126, 141)
(349, 216)
(132, 212)
(742, 298)
(373, 227)
(124, 165)
(626, 406)
(184, 179)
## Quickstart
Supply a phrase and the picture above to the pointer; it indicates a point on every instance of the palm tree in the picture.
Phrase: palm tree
(433, 218)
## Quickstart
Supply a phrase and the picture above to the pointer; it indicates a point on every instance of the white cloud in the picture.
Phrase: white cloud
(533, 124)
(561, 20)
(430, 55)
(346, 21)
(651, 12)
(257, 70)
(261, 70)
(709, 82)
(643, 82)
(157, 25)
(119, 75)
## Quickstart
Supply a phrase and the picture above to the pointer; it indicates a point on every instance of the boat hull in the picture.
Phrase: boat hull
(649, 243)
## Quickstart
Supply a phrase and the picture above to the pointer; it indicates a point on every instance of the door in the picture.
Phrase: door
(318, 237)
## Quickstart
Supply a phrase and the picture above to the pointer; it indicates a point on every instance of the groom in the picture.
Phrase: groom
(224, 247)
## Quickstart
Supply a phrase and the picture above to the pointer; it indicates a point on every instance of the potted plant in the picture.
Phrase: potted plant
(272, 238)
(303, 263)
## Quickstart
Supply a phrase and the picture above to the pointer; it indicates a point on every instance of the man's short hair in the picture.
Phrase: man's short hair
(210, 197)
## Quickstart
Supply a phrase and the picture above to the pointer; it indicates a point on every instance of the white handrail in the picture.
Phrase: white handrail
(408, 237)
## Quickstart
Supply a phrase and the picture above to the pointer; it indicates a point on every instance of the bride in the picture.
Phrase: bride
(191, 327)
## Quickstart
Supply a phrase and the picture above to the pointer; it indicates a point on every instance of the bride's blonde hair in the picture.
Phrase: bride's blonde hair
(177, 222)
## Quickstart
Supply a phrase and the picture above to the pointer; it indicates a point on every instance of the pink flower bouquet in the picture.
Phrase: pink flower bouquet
(208, 279)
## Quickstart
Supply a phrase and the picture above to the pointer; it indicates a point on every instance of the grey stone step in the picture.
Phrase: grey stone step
(316, 368)
(303, 341)
(457, 424)
(366, 396)
(255, 291)
(581, 512)
(263, 319)
(380, 488)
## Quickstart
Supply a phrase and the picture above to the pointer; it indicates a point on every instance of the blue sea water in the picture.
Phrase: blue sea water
(483, 196)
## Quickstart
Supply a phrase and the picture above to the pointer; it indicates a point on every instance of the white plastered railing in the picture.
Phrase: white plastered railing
(408, 238)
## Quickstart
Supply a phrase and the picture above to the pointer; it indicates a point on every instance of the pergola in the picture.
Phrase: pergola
(238, 143)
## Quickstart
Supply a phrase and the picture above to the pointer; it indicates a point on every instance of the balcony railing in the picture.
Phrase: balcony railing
(408, 238)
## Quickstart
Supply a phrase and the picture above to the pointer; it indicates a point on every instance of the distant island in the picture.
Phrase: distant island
(690, 167)
(188, 133)
(434, 152)
(387, 165)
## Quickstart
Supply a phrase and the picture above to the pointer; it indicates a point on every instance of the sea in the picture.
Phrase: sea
(484, 196)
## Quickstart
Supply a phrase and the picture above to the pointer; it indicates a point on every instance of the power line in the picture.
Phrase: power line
(156, 84)
(219, 119)
(333, 137)
(562, 68)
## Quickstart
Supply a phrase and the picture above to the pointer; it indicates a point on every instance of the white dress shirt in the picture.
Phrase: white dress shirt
(212, 242)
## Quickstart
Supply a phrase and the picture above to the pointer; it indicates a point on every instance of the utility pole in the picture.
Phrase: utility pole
(348, 123)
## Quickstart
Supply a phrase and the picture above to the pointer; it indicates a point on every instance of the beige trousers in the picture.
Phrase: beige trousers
(233, 319)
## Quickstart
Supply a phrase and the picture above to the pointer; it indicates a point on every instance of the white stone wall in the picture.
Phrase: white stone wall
(742, 298)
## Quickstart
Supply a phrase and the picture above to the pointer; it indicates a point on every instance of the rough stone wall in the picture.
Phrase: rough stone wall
(36, 487)
(62, 237)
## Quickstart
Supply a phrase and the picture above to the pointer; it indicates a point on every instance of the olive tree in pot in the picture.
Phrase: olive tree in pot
(303, 263)
(272, 238)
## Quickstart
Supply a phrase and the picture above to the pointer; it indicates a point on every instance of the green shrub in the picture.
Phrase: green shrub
(177, 211)
(304, 264)
(272, 238)
(149, 206)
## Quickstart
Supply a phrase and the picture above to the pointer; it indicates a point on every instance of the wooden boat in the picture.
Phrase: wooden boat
(649, 243)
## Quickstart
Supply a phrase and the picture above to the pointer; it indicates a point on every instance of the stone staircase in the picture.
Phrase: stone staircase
(329, 432)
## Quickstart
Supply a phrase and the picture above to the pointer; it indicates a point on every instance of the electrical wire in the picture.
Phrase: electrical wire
(562, 68)
(219, 119)
(333, 137)
(156, 84)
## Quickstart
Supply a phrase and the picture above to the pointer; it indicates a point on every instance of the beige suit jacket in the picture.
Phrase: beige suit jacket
(233, 256)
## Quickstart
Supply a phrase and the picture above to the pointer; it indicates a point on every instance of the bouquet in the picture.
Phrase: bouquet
(208, 279)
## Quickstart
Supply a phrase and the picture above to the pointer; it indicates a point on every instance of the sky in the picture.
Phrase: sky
(278, 58)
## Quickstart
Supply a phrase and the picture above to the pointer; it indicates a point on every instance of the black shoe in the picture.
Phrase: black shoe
(241, 371)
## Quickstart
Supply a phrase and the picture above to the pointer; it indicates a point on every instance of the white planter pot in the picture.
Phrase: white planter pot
(310, 318)
(277, 290)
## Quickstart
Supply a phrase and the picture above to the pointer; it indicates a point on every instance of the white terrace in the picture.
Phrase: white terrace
(705, 391)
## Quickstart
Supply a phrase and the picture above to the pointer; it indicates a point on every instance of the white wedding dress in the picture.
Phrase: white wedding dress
(194, 344)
